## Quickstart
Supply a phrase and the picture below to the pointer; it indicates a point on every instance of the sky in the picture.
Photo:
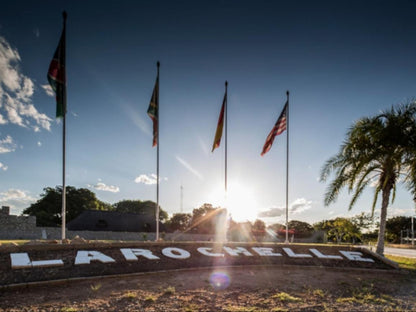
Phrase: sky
(340, 60)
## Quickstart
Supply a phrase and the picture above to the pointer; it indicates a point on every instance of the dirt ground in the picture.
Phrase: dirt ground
(250, 288)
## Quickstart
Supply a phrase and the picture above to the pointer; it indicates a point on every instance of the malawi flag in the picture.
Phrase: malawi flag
(278, 128)
(220, 125)
(153, 110)
(57, 76)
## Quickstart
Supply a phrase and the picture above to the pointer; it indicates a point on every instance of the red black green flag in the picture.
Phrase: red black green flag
(153, 110)
(57, 76)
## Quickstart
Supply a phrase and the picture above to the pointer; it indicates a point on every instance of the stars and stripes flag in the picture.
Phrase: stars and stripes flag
(279, 128)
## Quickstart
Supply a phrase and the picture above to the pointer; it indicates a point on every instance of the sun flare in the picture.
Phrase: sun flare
(240, 201)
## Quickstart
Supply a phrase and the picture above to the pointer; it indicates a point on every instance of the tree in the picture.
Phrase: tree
(394, 227)
(302, 229)
(364, 221)
(377, 150)
(205, 218)
(179, 222)
(259, 229)
(48, 208)
(104, 206)
(339, 230)
(140, 207)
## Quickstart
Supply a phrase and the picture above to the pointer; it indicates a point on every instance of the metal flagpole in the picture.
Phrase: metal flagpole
(226, 117)
(181, 208)
(63, 212)
(287, 169)
(157, 161)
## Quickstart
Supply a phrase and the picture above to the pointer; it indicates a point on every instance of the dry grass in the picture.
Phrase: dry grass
(256, 289)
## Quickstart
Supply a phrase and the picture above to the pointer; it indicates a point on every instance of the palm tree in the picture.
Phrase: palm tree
(377, 151)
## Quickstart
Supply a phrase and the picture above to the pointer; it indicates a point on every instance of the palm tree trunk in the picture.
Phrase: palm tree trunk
(383, 217)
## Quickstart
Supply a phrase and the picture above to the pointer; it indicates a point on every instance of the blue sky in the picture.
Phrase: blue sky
(340, 60)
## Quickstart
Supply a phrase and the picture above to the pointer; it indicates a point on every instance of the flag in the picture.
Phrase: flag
(220, 125)
(57, 76)
(153, 110)
(278, 128)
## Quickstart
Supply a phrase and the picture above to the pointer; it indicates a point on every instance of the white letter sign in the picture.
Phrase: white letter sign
(176, 253)
(206, 252)
(22, 260)
(322, 256)
(236, 251)
(85, 257)
(291, 254)
(131, 254)
(355, 256)
(266, 251)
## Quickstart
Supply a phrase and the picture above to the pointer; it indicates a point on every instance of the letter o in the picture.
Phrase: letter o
(176, 253)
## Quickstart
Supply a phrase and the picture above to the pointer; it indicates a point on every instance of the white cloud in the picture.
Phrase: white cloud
(16, 199)
(148, 179)
(298, 206)
(272, 213)
(100, 186)
(16, 91)
(48, 89)
(189, 168)
(3, 167)
(395, 212)
(7, 145)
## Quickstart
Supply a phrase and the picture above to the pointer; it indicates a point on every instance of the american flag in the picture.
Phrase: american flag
(278, 128)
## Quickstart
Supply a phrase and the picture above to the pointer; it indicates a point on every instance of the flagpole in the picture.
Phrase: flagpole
(287, 169)
(226, 118)
(222, 232)
(157, 161)
(63, 212)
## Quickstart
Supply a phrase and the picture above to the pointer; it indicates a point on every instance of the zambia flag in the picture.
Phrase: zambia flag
(220, 125)
(57, 76)
(153, 110)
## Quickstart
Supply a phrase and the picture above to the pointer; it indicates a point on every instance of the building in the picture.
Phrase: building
(96, 220)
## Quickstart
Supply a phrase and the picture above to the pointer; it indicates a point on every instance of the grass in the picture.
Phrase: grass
(231, 308)
(150, 299)
(169, 290)
(66, 309)
(318, 293)
(367, 294)
(285, 297)
(191, 308)
(404, 263)
(130, 295)
(95, 287)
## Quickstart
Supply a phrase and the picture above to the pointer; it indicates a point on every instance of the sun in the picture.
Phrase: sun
(239, 200)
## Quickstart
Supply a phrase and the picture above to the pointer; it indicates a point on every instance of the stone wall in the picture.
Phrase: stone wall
(14, 227)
